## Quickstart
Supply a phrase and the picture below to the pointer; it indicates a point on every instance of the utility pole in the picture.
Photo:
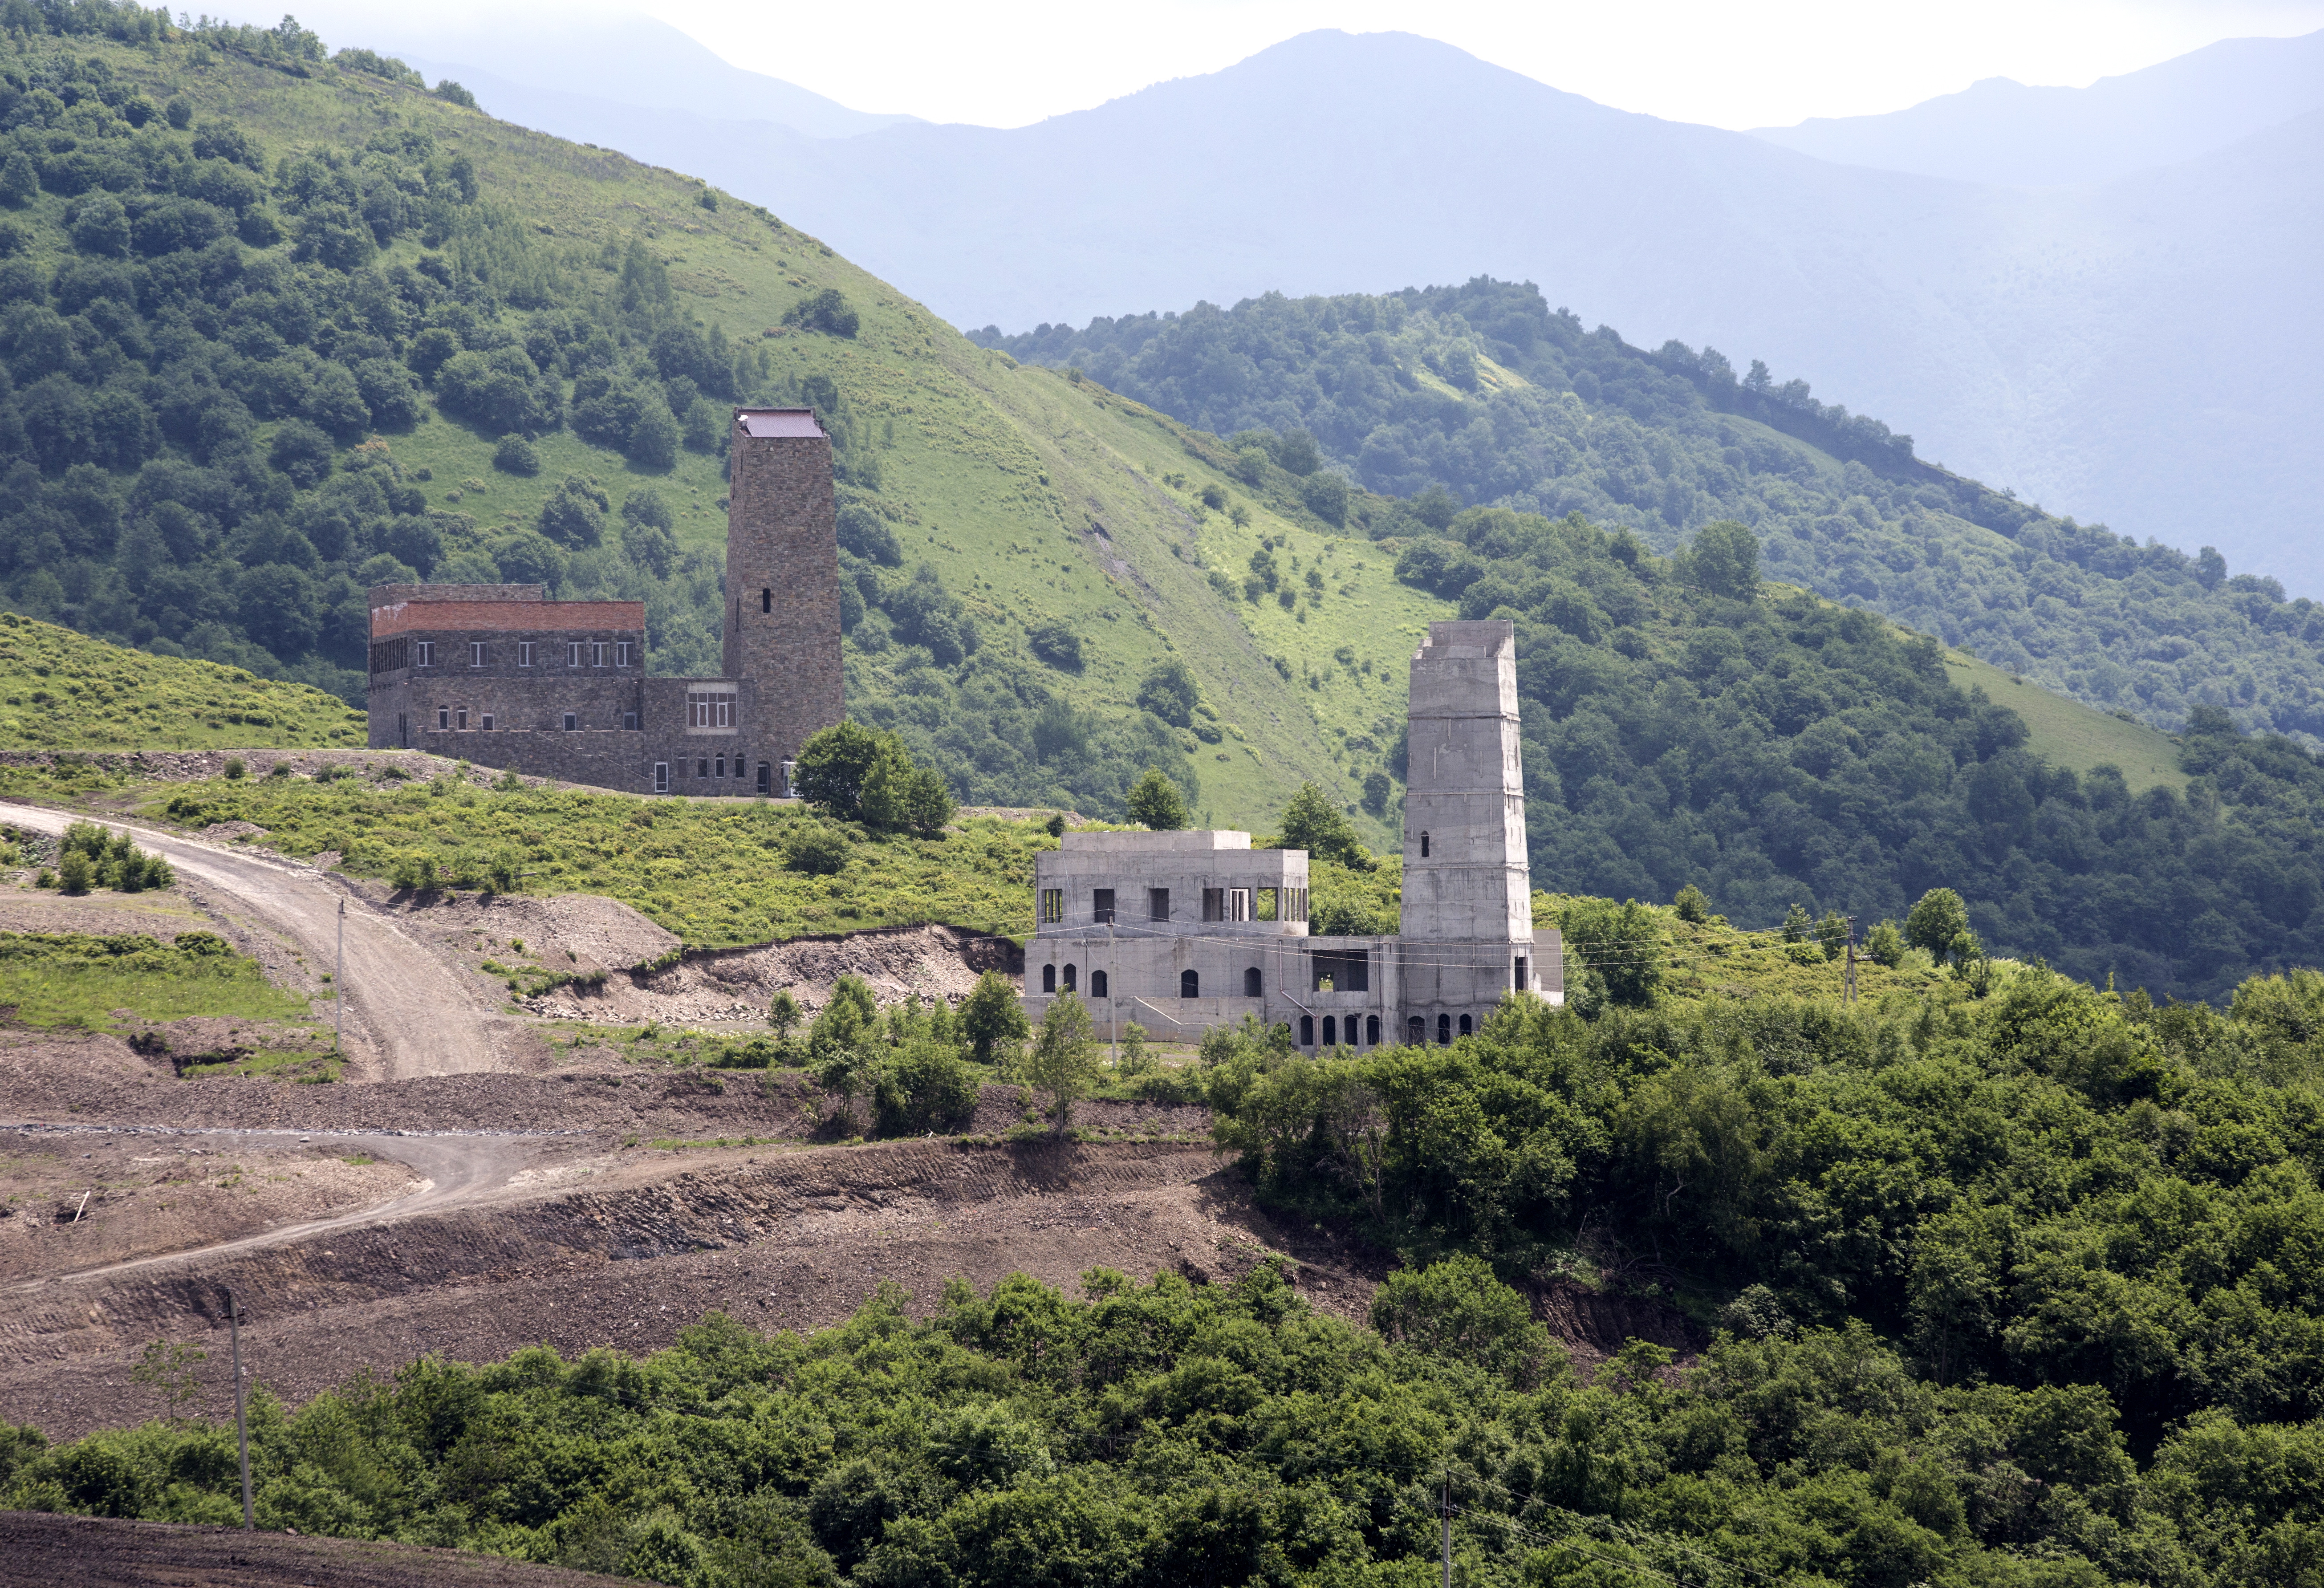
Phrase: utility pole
(1444, 1503)
(241, 1421)
(1113, 998)
(339, 985)
(1849, 997)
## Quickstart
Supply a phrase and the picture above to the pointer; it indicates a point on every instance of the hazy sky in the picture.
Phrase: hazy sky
(1009, 62)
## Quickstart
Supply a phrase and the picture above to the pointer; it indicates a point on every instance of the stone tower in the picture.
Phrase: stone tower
(782, 579)
(1468, 930)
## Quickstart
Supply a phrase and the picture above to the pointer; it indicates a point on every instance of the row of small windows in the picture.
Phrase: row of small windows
(709, 767)
(388, 655)
(1218, 904)
(455, 719)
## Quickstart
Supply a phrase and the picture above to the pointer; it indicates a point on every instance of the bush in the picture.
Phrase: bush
(1054, 642)
(1459, 1308)
(574, 514)
(827, 312)
(925, 1087)
(74, 872)
(1694, 905)
(1885, 944)
(235, 769)
(516, 456)
(817, 850)
(1170, 693)
(1622, 943)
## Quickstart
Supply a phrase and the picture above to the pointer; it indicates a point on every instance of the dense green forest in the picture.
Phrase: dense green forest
(220, 362)
(1482, 395)
(2017, 1289)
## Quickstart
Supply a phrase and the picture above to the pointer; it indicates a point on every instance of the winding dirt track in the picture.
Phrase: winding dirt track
(419, 1020)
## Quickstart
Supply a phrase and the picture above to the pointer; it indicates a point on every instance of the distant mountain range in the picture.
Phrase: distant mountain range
(2140, 349)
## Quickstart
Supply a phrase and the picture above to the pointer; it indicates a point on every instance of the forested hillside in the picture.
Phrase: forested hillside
(277, 325)
(1482, 395)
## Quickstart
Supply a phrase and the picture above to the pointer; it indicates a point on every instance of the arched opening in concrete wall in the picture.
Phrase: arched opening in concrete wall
(1251, 982)
(1190, 984)
(1072, 981)
(1423, 846)
(1464, 1025)
(1371, 1030)
(1306, 1030)
(1048, 978)
(1097, 983)
(1331, 1030)
(1443, 1029)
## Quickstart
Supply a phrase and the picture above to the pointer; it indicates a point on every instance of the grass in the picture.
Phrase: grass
(59, 979)
(62, 690)
(2071, 735)
(713, 871)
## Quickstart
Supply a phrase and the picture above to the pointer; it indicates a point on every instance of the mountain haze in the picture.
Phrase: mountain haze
(2003, 131)
(2139, 352)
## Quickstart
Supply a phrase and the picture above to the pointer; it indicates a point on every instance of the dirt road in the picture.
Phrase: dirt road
(407, 1015)
(451, 1168)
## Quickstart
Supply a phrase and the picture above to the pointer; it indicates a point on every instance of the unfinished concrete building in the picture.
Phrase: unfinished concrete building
(1183, 931)
(501, 676)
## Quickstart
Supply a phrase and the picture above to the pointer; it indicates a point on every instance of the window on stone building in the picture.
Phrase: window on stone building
(426, 650)
(1464, 1025)
(738, 766)
(702, 769)
(1416, 1032)
(661, 777)
(1306, 1030)
(573, 653)
(1190, 984)
(1048, 978)
(766, 779)
(722, 766)
(1158, 904)
(709, 708)
(475, 653)
(1251, 982)
(460, 719)
(1072, 981)
(622, 653)
(596, 653)
(1331, 1030)
(1053, 906)
(1371, 1030)
(444, 716)
(1444, 1030)
(766, 600)
(630, 721)
(1097, 983)
(1102, 906)
(488, 722)
(571, 721)
(524, 653)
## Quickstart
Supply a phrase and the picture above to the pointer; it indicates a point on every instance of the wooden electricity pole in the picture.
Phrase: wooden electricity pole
(1849, 996)
(240, 1420)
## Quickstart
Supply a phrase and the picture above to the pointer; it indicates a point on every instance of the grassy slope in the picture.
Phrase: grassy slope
(1001, 471)
(62, 690)
(2075, 735)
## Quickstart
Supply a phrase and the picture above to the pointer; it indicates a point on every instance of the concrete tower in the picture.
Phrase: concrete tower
(1468, 892)
(782, 579)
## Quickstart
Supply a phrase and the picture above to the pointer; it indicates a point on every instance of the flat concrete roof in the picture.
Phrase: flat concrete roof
(1193, 843)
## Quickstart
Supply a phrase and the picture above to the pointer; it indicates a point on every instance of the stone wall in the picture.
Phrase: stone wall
(782, 583)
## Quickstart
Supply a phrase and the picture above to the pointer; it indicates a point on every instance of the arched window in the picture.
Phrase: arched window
(1423, 846)
(1464, 1025)
(1331, 1030)
(1048, 978)
(1306, 1030)
(1371, 1030)
(1415, 1031)
(1097, 983)
(1190, 984)
(1072, 981)
(1443, 1024)
(1251, 982)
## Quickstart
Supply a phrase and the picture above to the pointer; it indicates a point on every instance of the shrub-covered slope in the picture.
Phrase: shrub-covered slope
(1481, 394)
(277, 325)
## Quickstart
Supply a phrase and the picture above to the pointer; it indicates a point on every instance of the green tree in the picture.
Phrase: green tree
(784, 1014)
(1459, 1308)
(1884, 945)
(20, 181)
(1376, 789)
(574, 512)
(1622, 943)
(1169, 692)
(1723, 560)
(1064, 1062)
(1312, 823)
(993, 1022)
(1155, 801)
(833, 765)
(827, 312)
(1831, 934)
(1694, 905)
(167, 1369)
(899, 797)
(839, 1042)
(1936, 922)
(1797, 923)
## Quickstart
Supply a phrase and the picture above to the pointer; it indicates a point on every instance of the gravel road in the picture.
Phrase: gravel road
(420, 1019)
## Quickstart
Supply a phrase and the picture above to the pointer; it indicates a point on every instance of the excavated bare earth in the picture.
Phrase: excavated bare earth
(94, 1552)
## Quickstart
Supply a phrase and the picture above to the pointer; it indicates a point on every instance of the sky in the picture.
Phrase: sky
(1012, 62)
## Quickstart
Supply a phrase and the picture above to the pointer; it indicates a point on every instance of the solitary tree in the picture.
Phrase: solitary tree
(833, 765)
(1169, 692)
(1312, 823)
(1694, 905)
(1724, 560)
(1155, 800)
(992, 1021)
(1064, 1058)
(1936, 921)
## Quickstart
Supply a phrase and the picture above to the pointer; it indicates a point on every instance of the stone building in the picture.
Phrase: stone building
(1183, 931)
(499, 675)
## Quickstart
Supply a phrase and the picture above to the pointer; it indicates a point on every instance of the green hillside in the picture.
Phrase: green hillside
(1482, 394)
(61, 690)
(2070, 734)
(311, 299)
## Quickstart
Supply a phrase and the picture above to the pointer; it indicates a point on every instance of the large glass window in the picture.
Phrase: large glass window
(709, 708)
